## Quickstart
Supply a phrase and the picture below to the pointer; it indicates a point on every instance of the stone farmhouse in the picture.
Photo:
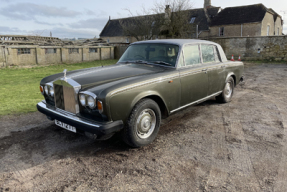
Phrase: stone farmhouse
(242, 21)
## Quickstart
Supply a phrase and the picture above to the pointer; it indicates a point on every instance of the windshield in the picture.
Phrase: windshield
(162, 54)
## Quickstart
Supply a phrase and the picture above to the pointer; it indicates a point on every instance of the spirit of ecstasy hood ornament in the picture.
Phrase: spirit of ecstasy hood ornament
(65, 75)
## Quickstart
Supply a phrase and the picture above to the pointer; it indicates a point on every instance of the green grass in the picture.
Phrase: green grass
(19, 87)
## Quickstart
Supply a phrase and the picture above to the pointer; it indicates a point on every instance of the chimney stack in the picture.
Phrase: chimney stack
(207, 4)
(167, 12)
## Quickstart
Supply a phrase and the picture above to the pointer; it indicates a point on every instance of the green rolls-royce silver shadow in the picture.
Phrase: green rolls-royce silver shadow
(152, 80)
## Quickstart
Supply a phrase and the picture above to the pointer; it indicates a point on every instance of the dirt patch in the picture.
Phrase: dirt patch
(239, 146)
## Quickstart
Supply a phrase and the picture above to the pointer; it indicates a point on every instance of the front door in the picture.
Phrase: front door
(193, 76)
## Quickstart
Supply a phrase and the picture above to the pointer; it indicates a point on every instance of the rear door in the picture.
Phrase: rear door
(193, 76)
(216, 69)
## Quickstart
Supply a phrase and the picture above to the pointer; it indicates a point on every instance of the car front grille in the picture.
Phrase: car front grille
(66, 97)
(59, 96)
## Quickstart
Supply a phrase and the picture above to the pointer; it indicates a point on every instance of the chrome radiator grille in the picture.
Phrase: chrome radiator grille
(59, 96)
(66, 96)
(69, 99)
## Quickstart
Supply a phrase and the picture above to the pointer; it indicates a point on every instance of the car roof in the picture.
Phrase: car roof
(179, 42)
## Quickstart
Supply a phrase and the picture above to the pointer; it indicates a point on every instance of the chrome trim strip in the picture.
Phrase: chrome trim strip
(65, 114)
(190, 72)
(198, 101)
(157, 80)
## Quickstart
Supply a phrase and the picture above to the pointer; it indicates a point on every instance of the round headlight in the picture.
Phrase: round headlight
(91, 102)
(46, 89)
(83, 100)
(51, 91)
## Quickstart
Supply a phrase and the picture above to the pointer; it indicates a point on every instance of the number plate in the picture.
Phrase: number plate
(65, 126)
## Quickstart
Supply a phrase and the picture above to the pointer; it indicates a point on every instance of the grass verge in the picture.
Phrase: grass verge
(19, 87)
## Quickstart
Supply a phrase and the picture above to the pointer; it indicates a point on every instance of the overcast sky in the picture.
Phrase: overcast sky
(86, 18)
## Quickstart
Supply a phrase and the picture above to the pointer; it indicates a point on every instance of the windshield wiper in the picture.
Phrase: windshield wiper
(140, 61)
(135, 61)
(162, 62)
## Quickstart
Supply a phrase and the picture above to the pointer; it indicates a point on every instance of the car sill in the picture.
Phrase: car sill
(198, 101)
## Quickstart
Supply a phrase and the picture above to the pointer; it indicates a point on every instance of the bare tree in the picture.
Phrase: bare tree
(177, 18)
(143, 26)
(169, 18)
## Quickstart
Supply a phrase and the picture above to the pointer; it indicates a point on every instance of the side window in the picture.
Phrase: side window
(207, 53)
(191, 55)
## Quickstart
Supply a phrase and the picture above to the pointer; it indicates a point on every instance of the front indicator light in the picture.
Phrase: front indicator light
(100, 106)
(83, 100)
(91, 102)
(42, 89)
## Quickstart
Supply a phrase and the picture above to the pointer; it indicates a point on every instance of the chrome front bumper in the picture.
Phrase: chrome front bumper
(81, 124)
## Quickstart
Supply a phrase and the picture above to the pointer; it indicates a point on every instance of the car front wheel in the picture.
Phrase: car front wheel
(227, 92)
(143, 123)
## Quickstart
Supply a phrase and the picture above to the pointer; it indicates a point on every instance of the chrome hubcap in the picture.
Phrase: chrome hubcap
(228, 90)
(146, 122)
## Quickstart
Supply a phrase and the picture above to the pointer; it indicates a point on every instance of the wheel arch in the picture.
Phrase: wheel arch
(231, 74)
(157, 98)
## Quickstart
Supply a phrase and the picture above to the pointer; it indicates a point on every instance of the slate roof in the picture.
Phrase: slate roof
(113, 27)
(240, 15)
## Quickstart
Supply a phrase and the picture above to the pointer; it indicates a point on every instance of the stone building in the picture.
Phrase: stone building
(250, 20)
(31, 50)
(113, 31)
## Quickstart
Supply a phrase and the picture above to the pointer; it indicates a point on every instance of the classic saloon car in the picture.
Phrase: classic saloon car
(152, 79)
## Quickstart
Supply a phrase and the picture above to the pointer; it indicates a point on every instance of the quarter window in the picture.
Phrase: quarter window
(207, 53)
(191, 55)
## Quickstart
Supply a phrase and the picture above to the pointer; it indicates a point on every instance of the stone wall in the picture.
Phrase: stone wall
(45, 55)
(248, 29)
(255, 48)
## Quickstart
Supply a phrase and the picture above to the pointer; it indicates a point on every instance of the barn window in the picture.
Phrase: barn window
(24, 51)
(268, 30)
(50, 51)
(93, 50)
(73, 50)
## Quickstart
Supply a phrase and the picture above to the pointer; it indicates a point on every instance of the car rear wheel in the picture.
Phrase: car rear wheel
(227, 92)
(143, 124)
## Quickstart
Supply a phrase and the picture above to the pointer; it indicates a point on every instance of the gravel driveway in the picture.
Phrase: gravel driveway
(239, 146)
